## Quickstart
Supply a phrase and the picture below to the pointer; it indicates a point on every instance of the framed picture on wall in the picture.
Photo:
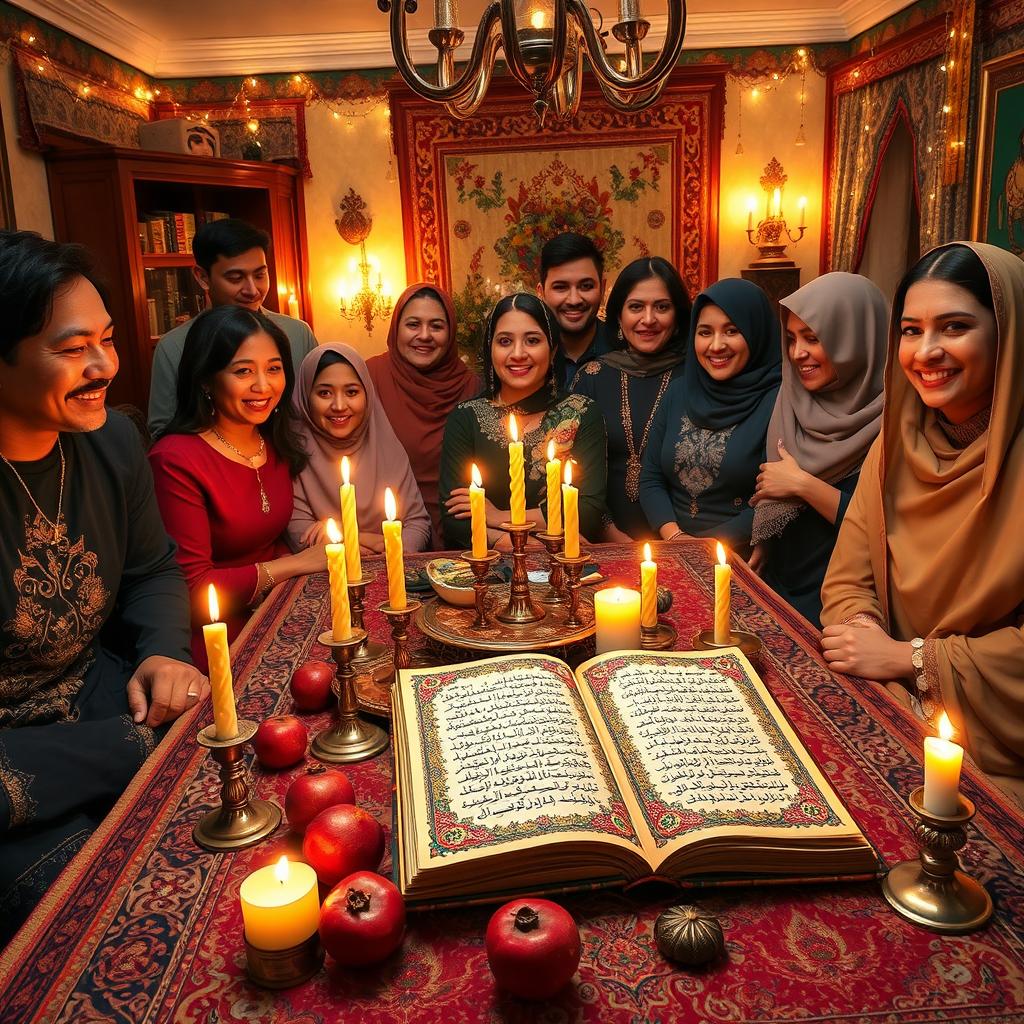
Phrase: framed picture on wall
(999, 171)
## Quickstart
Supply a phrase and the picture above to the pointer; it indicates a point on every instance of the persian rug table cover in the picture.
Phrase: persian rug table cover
(143, 926)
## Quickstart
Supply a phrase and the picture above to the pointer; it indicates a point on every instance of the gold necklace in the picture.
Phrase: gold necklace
(55, 526)
(633, 464)
(251, 459)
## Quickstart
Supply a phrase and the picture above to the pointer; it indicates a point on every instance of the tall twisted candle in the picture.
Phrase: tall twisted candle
(477, 514)
(393, 556)
(554, 476)
(341, 613)
(648, 590)
(516, 474)
(215, 636)
(571, 514)
(723, 576)
(350, 524)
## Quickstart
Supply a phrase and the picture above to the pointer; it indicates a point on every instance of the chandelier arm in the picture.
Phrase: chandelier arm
(567, 92)
(608, 75)
(559, 38)
(631, 100)
(466, 107)
(510, 44)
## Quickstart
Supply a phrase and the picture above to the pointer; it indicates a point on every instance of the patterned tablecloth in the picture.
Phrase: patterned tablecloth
(143, 926)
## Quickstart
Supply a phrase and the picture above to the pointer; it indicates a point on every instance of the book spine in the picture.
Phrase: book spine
(190, 231)
(179, 232)
(143, 236)
(156, 230)
(170, 233)
(154, 323)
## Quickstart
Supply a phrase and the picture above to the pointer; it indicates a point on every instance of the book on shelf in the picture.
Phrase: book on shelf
(157, 234)
(516, 775)
(209, 216)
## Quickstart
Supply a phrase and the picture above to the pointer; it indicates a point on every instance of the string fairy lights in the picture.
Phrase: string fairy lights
(757, 83)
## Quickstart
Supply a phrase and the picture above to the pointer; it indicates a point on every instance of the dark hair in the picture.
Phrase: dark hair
(32, 271)
(537, 310)
(228, 237)
(426, 292)
(330, 358)
(643, 270)
(565, 248)
(957, 264)
(211, 343)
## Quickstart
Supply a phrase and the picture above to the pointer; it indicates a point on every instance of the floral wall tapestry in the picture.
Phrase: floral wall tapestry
(481, 197)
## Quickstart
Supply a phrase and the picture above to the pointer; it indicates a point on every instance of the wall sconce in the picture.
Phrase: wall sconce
(771, 233)
(368, 303)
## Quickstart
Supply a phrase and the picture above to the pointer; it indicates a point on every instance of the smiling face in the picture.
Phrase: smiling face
(648, 318)
(520, 354)
(242, 280)
(719, 346)
(947, 348)
(573, 293)
(59, 377)
(250, 387)
(338, 401)
(808, 355)
(423, 332)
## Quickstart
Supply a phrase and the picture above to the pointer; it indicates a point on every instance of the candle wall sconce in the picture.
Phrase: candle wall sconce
(771, 234)
(369, 302)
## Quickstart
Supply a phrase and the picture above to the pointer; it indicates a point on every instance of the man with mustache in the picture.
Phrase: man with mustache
(94, 614)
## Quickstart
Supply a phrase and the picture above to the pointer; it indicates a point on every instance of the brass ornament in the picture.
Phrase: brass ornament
(689, 935)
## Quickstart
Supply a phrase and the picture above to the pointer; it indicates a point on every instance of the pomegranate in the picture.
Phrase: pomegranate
(314, 791)
(362, 920)
(341, 840)
(311, 685)
(280, 742)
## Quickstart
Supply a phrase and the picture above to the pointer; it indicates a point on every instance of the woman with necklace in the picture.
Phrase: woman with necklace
(522, 376)
(651, 310)
(224, 466)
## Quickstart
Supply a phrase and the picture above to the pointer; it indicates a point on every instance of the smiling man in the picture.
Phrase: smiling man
(94, 618)
(231, 268)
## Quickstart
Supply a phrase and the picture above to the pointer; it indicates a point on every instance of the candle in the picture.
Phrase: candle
(517, 481)
(617, 617)
(222, 691)
(942, 761)
(750, 214)
(554, 474)
(350, 524)
(777, 202)
(477, 515)
(571, 514)
(293, 306)
(648, 590)
(723, 576)
(446, 14)
(803, 212)
(392, 529)
(280, 905)
(341, 614)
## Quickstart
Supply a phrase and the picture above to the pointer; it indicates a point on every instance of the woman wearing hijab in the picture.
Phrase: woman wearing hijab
(650, 309)
(828, 413)
(339, 415)
(926, 585)
(522, 376)
(419, 380)
(707, 439)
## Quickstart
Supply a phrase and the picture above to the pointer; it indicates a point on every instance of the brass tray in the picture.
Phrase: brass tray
(453, 626)
(373, 693)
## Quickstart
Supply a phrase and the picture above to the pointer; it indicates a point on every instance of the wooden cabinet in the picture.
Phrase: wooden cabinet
(100, 196)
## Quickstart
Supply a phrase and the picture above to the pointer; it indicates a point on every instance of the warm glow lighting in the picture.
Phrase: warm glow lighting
(513, 428)
(345, 470)
(537, 19)
(945, 727)
(568, 472)
(721, 553)
(333, 533)
(281, 870)
(253, 126)
(647, 552)
(390, 505)
(551, 450)
(214, 606)
(474, 475)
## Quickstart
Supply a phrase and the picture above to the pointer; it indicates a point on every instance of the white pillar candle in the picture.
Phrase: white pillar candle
(617, 616)
(942, 762)
(280, 905)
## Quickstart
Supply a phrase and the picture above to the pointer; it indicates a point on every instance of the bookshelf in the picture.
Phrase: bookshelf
(100, 196)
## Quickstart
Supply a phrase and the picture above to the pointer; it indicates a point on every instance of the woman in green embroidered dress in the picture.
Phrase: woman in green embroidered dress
(522, 377)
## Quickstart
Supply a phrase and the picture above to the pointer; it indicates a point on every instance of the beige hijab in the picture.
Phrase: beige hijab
(942, 530)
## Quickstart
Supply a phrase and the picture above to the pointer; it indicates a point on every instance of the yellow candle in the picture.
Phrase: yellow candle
(554, 475)
(723, 576)
(293, 306)
(477, 515)
(280, 905)
(350, 524)
(648, 590)
(392, 529)
(776, 203)
(942, 761)
(750, 214)
(617, 617)
(215, 636)
(571, 514)
(516, 475)
(803, 212)
(341, 613)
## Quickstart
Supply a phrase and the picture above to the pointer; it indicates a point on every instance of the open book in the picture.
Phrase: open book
(514, 775)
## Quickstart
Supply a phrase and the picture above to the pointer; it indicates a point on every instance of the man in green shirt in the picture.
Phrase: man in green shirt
(231, 268)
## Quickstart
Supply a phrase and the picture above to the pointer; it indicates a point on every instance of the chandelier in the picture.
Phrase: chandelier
(368, 303)
(544, 43)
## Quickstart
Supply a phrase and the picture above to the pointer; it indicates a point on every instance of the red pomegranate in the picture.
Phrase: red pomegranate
(280, 742)
(311, 685)
(314, 791)
(341, 840)
(362, 920)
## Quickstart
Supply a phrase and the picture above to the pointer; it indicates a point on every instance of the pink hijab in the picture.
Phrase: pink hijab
(377, 459)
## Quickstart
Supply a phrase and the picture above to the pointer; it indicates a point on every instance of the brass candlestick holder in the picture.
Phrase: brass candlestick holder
(553, 544)
(520, 610)
(239, 821)
(573, 568)
(369, 650)
(932, 891)
(748, 643)
(481, 567)
(659, 637)
(399, 619)
(284, 968)
(351, 738)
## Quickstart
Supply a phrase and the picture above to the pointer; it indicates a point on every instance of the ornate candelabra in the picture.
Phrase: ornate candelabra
(520, 609)
(553, 544)
(368, 651)
(573, 568)
(369, 303)
(771, 234)
(399, 619)
(481, 567)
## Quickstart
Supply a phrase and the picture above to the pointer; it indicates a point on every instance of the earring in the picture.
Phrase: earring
(620, 335)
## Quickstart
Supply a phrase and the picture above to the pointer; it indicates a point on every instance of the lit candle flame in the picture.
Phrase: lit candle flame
(721, 554)
(647, 552)
(537, 19)
(551, 450)
(214, 606)
(513, 428)
(333, 533)
(751, 204)
(475, 476)
(945, 727)
(390, 506)
(568, 471)
(803, 202)
(281, 870)
(345, 470)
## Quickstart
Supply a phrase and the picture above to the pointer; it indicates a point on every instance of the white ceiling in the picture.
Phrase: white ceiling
(223, 37)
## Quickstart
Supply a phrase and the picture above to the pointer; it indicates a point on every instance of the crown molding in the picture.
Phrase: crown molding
(860, 15)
